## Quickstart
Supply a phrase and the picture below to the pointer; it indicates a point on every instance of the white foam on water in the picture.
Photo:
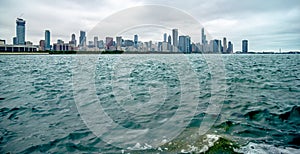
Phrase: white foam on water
(254, 148)
(211, 139)
(208, 142)
(138, 146)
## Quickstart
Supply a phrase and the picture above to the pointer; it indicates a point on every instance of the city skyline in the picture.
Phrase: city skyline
(182, 43)
(268, 27)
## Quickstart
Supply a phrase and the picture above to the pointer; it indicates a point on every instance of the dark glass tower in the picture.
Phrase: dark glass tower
(47, 40)
(82, 39)
(20, 30)
(245, 46)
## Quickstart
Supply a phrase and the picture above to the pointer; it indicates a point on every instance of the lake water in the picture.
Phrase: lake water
(149, 103)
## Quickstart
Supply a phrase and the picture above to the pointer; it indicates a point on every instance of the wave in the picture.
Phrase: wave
(265, 149)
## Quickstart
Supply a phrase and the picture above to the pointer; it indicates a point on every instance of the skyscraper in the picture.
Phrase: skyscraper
(47, 40)
(96, 42)
(245, 46)
(165, 37)
(216, 45)
(169, 42)
(169, 39)
(136, 40)
(82, 39)
(224, 45)
(119, 42)
(73, 41)
(230, 47)
(203, 37)
(42, 45)
(109, 42)
(20, 30)
(184, 44)
(175, 38)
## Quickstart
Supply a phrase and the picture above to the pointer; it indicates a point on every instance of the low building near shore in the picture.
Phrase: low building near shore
(18, 48)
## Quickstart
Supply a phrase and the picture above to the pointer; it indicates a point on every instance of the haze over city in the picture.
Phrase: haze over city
(268, 27)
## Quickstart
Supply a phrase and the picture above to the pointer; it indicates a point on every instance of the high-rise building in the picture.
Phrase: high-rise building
(73, 41)
(42, 45)
(96, 42)
(175, 39)
(203, 37)
(128, 43)
(82, 39)
(150, 46)
(165, 37)
(184, 44)
(136, 40)
(109, 42)
(245, 46)
(20, 30)
(47, 40)
(224, 45)
(181, 43)
(169, 43)
(216, 46)
(15, 40)
(91, 44)
(230, 47)
(164, 46)
(169, 39)
(119, 42)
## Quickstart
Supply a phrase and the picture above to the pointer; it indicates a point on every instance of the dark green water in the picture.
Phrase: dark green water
(41, 96)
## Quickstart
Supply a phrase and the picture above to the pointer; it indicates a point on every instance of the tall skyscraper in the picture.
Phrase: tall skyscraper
(136, 40)
(101, 44)
(165, 37)
(82, 39)
(230, 47)
(245, 46)
(184, 44)
(73, 37)
(150, 46)
(203, 37)
(96, 42)
(224, 45)
(73, 41)
(216, 45)
(169, 42)
(169, 39)
(20, 30)
(175, 38)
(119, 42)
(47, 40)
(109, 42)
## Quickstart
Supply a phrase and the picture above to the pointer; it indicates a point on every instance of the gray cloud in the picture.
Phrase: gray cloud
(268, 25)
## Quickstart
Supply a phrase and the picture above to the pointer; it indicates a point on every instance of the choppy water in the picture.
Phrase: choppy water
(259, 111)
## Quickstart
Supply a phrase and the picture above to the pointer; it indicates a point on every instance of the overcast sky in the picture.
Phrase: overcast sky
(268, 25)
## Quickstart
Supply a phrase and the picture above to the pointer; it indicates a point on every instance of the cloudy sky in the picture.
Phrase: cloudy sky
(268, 25)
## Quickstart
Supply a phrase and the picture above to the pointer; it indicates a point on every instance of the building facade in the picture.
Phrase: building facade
(82, 39)
(184, 44)
(245, 46)
(47, 40)
(175, 39)
(20, 31)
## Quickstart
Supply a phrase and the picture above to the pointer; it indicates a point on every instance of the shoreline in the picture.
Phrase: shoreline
(167, 53)
(24, 53)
